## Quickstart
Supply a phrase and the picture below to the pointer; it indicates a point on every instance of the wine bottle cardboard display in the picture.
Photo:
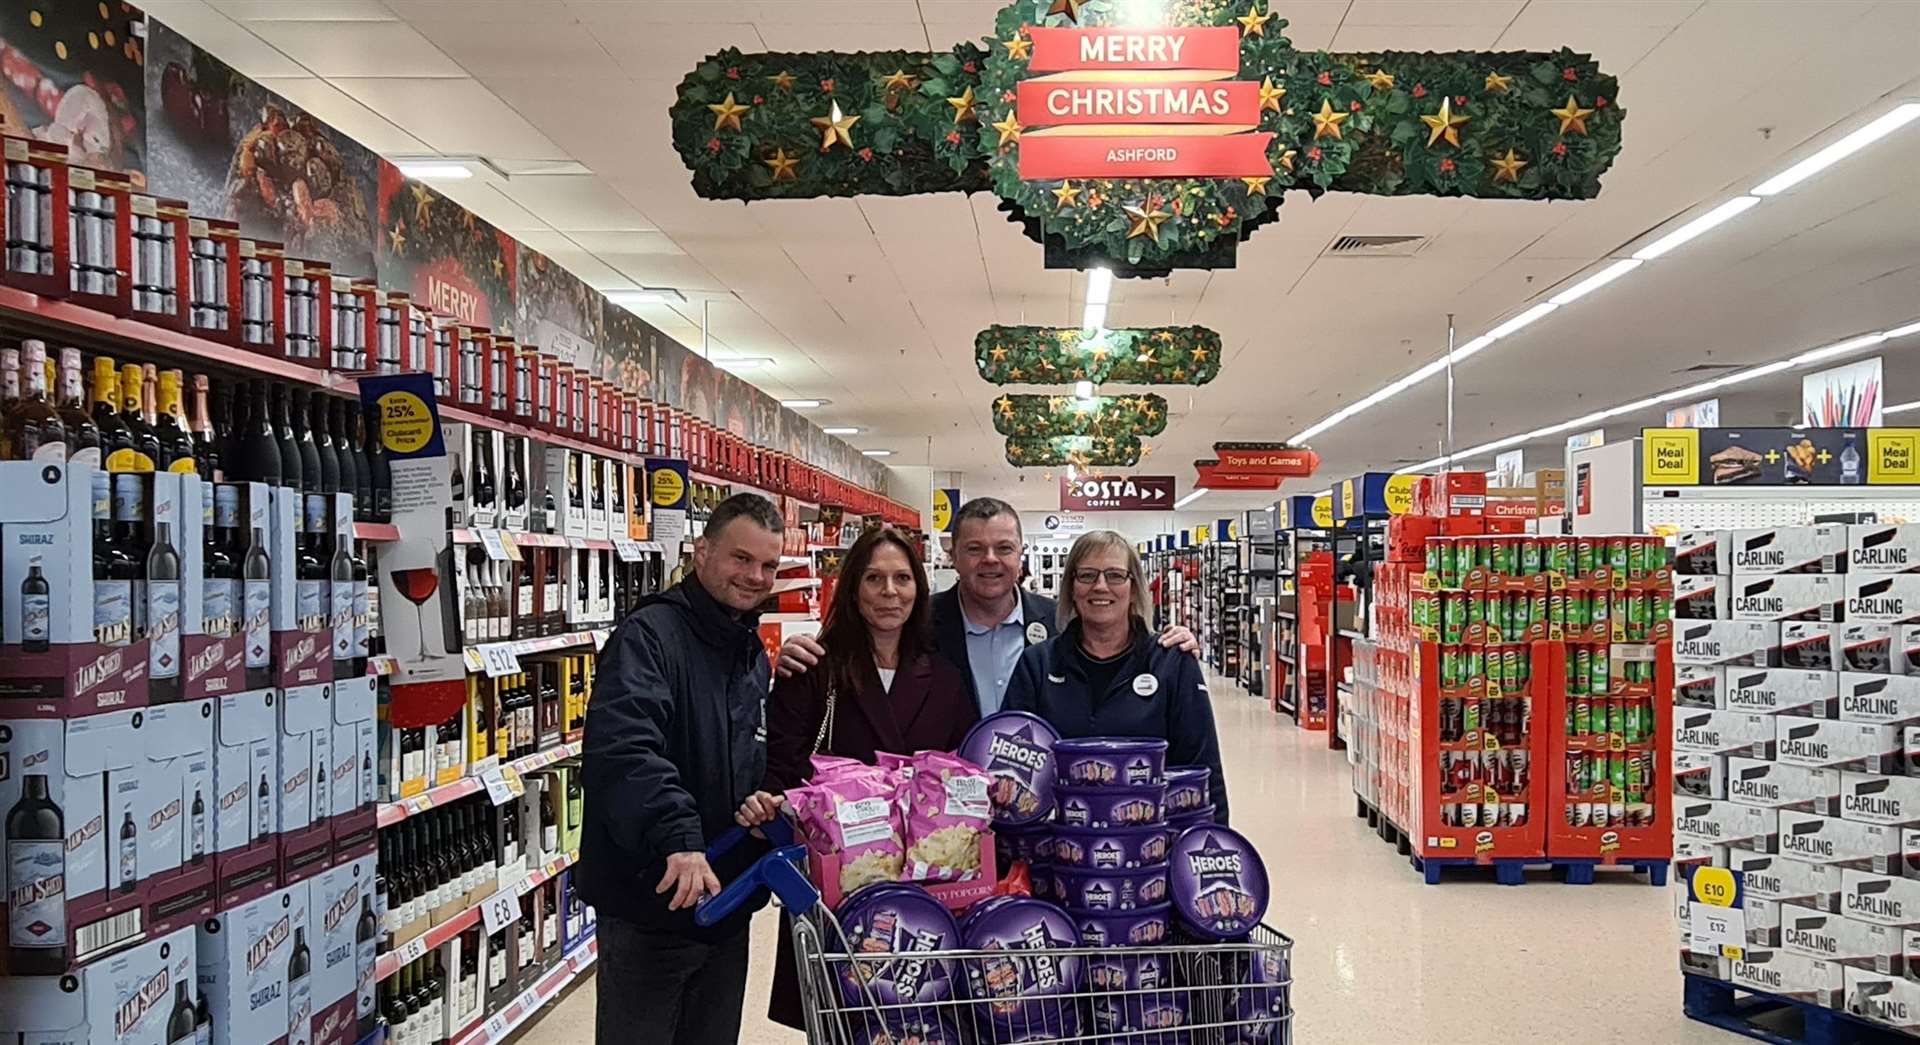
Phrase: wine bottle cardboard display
(353, 751)
(340, 896)
(302, 649)
(175, 812)
(306, 746)
(134, 997)
(246, 774)
(243, 957)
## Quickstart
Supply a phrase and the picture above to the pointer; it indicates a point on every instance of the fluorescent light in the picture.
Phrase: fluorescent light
(1596, 281)
(1699, 226)
(741, 362)
(877, 453)
(1902, 408)
(1852, 344)
(1462, 352)
(1910, 328)
(1083, 390)
(1522, 320)
(804, 404)
(1899, 116)
(1099, 286)
(427, 169)
(644, 296)
(842, 430)
(1190, 498)
(1095, 317)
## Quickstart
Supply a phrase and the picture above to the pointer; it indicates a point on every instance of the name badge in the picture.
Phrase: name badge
(1036, 633)
(1145, 684)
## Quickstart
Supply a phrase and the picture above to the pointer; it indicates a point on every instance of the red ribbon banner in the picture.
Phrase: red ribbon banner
(1217, 480)
(1288, 462)
(1044, 158)
(1060, 103)
(1205, 48)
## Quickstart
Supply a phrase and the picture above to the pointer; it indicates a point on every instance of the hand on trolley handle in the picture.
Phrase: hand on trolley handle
(782, 870)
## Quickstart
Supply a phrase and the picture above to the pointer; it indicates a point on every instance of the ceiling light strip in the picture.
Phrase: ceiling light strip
(1886, 124)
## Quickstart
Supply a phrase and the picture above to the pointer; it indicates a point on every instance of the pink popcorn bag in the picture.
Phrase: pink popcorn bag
(946, 811)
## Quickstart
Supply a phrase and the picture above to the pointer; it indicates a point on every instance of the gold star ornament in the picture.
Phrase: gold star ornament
(422, 204)
(782, 165)
(1381, 80)
(1270, 95)
(1507, 168)
(397, 237)
(999, 353)
(834, 128)
(1257, 185)
(1498, 84)
(1068, 8)
(898, 80)
(1067, 194)
(726, 115)
(1326, 122)
(1009, 129)
(1018, 47)
(783, 80)
(1145, 222)
(1286, 159)
(1253, 23)
(963, 107)
(1572, 118)
(1444, 124)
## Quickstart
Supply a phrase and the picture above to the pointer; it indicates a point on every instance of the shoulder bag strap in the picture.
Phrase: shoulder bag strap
(825, 736)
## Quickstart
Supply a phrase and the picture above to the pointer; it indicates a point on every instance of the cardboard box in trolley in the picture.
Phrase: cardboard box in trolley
(1821, 548)
(1701, 596)
(1880, 548)
(1810, 645)
(1785, 879)
(1874, 799)
(1703, 732)
(1789, 975)
(1726, 823)
(1776, 785)
(1840, 843)
(1699, 776)
(1838, 938)
(1885, 998)
(255, 965)
(1749, 643)
(1783, 691)
(1883, 700)
(1875, 598)
(1880, 899)
(1867, 647)
(1698, 552)
(1828, 744)
(141, 996)
(1787, 597)
(1699, 686)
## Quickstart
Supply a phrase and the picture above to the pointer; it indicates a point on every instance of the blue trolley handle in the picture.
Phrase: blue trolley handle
(780, 870)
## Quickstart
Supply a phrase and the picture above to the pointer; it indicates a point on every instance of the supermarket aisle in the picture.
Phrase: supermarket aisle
(1379, 957)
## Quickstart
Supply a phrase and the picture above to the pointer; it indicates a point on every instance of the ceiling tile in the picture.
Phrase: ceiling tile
(357, 48)
(536, 49)
(575, 203)
(426, 13)
(1426, 14)
(224, 38)
(630, 241)
(306, 10)
(344, 114)
(451, 115)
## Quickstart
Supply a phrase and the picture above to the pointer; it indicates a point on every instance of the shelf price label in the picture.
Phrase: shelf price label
(503, 785)
(627, 548)
(496, 548)
(473, 658)
(600, 637)
(413, 950)
(499, 659)
(496, 1027)
(499, 911)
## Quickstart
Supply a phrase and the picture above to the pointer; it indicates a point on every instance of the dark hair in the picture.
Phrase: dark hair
(748, 505)
(845, 635)
(980, 509)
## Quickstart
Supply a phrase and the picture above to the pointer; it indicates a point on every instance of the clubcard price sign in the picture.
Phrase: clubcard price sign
(418, 612)
(667, 488)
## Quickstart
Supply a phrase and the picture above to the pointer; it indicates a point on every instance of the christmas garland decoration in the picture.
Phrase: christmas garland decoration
(1130, 355)
(1037, 415)
(1500, 125)
(1078, 450)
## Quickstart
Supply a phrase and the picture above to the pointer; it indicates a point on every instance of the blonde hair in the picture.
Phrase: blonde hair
(1096, 541)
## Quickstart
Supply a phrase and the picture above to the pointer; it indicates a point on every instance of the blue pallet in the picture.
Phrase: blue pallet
(1506, 870)
(1738, 1009)
(1581, 872)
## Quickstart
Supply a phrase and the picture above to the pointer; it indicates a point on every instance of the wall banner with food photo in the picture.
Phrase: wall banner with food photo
(558, 313)
(626, 350)
(443, 254)
(233, 149)
(73, 76)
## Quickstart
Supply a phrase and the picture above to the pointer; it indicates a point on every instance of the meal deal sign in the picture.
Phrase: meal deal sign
(1139, 103)
(1136, 493)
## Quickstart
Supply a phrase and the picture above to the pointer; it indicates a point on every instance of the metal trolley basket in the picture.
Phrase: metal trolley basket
(1177, 993)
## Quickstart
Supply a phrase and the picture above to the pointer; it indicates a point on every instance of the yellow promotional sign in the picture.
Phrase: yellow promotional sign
(1893, 455)
(1323, 512)
(1233, 530)
(668, 487)
(1200, 535)
(1400, 493)
(942, 511)
(1670, 456)
(1349, 500)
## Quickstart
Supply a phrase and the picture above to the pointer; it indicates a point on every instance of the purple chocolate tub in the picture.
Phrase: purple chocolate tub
(1022, 988)
(1141, 927)
(1109, 848)
(1110, 890)
(1218, 883)
(1128, 999)
(1188, 790)
(1257, 997)
(1111, 762)
(892, 918)
(1016, 750)
(1110, 807)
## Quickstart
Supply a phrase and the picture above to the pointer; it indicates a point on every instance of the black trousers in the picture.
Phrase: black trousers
(662, 989)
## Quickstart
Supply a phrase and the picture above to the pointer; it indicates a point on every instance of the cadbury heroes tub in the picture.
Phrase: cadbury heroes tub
(1108, 848)
(896, 923)
(1188, 790)
(1140, 927)
(1217, 882)
(1129, 998)
(1109, 807)
(1110, 890)
(1016, 750)
(1111, 761)
(1022, 985)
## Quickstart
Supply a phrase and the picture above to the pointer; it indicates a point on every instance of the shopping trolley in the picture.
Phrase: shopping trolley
(1177, 993)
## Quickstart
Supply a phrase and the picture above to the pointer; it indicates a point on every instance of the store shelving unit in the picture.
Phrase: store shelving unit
(1301, 611)
(1358, 535)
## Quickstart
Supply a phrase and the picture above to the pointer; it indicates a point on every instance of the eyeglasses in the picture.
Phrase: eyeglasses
(1115, 578)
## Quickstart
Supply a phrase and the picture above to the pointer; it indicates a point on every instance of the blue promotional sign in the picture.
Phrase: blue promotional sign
(403, 406)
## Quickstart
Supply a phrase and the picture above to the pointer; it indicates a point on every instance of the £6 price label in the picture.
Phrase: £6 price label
(499, 911)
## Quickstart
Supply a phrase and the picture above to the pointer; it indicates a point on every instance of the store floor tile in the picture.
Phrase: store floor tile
(1380, 957)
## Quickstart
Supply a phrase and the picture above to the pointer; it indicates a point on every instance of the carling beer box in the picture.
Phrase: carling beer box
(1821, 548)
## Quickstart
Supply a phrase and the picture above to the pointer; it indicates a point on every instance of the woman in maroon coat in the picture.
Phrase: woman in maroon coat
(887, 688)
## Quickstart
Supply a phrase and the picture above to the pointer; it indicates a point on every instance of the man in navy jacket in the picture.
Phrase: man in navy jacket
(671, 755)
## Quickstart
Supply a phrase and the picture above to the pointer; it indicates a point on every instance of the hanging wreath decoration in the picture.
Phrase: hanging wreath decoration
(1026, 355)
(1039, 415)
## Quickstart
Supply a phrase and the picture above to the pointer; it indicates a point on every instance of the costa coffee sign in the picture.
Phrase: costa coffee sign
(1085, 117)
(1134, 493)
(1256, 459)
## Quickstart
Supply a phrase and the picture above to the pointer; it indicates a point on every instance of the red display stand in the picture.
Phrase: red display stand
(1647, 834)
(1431, 836)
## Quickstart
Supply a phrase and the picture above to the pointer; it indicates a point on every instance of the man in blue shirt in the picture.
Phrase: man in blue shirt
(983, 623)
